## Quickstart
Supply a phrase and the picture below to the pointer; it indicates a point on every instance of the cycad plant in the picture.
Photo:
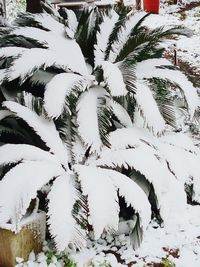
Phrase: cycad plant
(99, 96)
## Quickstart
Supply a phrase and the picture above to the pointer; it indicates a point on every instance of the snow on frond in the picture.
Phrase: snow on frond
(155, 170)
(133, 195)
(124, 34)
(65, 51)
(34, 59)
(87, 117)
(105, 29)
(62, 225)
(131, 137)
(4, 114)
(11, 51)
(72, 22)
(180, 140)
(101, 197)
(48, 22)
(114, 79)
(40, 35)
(58, 88)
(78, 150)
(23, 181)
(149, 109)
(151, 168)
(41, 77)
(150, 69)
(121, 114)
(30, 61)
(13, 153)
(3, 74)
(44, 128)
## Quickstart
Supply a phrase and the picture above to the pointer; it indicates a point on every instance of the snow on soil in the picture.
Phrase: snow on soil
(188, 48)
(180, 243)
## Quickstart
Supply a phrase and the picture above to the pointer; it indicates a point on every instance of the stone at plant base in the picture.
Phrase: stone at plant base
(31, 237)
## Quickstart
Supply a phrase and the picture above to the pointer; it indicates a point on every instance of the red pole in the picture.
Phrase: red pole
(151, 6)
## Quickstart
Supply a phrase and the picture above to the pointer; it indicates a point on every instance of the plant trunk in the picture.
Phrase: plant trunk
(30, 238)
(33, 6)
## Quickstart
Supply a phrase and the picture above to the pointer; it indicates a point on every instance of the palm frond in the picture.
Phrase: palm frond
(24, 185)
(149, 109)
(63, 84)
(41, 21)
(113, 79)
(123, 35)
(121, 114)
(104, 211)
(149, 69)
(164, 100)
(43, 127)
(14, 153)
(92, 105)
(62, 225)
(114, 181)
(105, 29)
(86, 33)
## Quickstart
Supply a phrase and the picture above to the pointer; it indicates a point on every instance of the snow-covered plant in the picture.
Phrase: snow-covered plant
(14, 7)
(95, 81)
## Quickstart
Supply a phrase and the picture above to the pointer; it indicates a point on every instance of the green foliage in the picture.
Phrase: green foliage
(61, 257)
(167, 263)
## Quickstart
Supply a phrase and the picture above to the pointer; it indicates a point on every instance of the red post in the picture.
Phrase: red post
(151, 6)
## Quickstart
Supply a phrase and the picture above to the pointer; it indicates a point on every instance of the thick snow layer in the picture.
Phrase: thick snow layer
(63, 84)
(44, 128)
(105, 30)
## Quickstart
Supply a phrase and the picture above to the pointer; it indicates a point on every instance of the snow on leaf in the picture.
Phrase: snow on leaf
(62, 225)
(40, 35)
(11, 51)
(71, 20)
(102, 198)
(155, 170)
(58, 88)
(13, 153)
(130, 137)
(36, 58)
(87, 118)
(133, 195)
(65, 52)
(105, 29)
(114, 79)
(44, 128)
(124, 34)
(149, 69)
(48, 22)
(121, 114)
(23, 180)
(180, 140)
(149, 109)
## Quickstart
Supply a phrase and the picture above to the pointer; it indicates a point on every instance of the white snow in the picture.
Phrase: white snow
(60, 86)
(44, 128)
(87, 109)
(149, 109)
(62, 224)
(103, 34)
(114, 79)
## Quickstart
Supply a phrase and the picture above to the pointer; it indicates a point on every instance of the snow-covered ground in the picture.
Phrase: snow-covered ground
(188, 48)
(177, 244)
